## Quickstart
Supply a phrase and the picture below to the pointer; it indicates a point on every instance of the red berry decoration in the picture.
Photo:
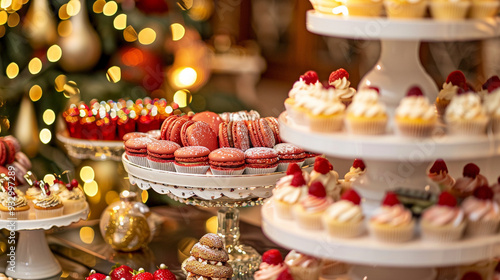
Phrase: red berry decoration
(328, 86)
(390, 199)
(415, 91)
(95, 276)
(163, 273)
(272, 257)
(359, 163)
(317, 189)
(292, 169)
(490, 81)
(121, 272)
(285, 275)
(321, 165)
(457, 78)
(337, 75)
(493, 86)
(471, 170)
(352, 196)
(374, 88)
(446, 199)
(472, 275)
(298, 180)
(142, 275)
(483, 192)
(310, 77)
(438, 167)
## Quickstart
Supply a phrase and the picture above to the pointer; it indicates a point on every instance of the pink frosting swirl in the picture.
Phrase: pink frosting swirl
(269, 272)
(479, 209)
(392, 215)
(443, 179)
(439, 215)
(468, 184)
(315, 204)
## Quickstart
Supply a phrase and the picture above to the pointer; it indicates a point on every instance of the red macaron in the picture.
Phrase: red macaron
(227, 161)
(260, 133)
(10, 151)
(199, 134)
(131, 135)
(136, 150)
(275, 127)
(192, 159)
(174, 130)
(211, 118)
(234, 134)
(164, 127)
(289, 153)
(261, 160)
(161, 154)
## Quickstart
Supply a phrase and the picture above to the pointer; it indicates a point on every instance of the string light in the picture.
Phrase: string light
(114, 74)
(178, 31)
(63, 12)
(91, 188)
(45, 135)
(129, 34)
(73, 7)
(98, 6)
(147, 36)
(54, 53)
(110, 8)
(120, 22)
(12, 70)
(3, 17)
(35, 66)
(49, 117)
(87, 174)
(35, 93)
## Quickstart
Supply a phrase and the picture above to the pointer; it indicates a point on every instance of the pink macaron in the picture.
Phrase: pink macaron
(261, 160)
(289, 153)
(192, 159)
(227, 161)
(161, 154)
(136, 150)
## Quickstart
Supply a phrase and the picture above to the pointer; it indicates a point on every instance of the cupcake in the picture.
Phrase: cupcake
(271, 267)
(449, 9)
(326, 6)
(366, 115)
(323, 110)
(415, 117)
(481, 9)
(339, 79)
(33, 192)
(208, 260)
(308, 212)
(492, 107)
(287, 179)
(47, 204)
(392, 222)
(405, 8)
(72, 198)
(287, 195)
(471, 179)
(160, 154)
(357, 169)
(289, 153)
(323, 172)
(15, 206)
(331, 270)
(57, 187)
(364, 8)
(465, 115)
(490, 85)
(305, 86)
(454, 82)
(439, 175)
(344, 218)
(483, 214)
(261, 160)
(443, 222)
(303, 267)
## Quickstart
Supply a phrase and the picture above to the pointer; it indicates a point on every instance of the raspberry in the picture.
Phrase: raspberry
(491, 80)
(317, 189)
(390, 199)
(415, 91)
(358, 163)
(446, 199)
(439, 166)
(298, 180)
(285, 275)
(375, 89)
(471, 170)
(310, 77)
(272, 257)
(338, 74)
(321, 165)
(483, 192)
(292, 169)
(457, 78)
(352, 196)
(493, 86)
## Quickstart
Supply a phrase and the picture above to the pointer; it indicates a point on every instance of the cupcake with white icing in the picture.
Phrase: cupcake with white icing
(366, 115)
(465, 115)
(339, 79)
(415, 116)
(47, 204)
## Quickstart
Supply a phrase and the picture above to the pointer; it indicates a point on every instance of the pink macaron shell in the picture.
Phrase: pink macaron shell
(210, 118)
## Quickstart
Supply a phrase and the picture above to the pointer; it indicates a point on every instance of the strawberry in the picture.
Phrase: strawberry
(317, 189)
(272, 257)
(471, 170)
(457, 78)
(439, 166)
(359, 163)
(483, 192)
(390, 199)
(352, 196)
(292, 169)
(415, 91)
(472, 275)
(446, 199)
(321, 165)
(163, 273)
(141, 274)
(337, 75)
(298, 180)
(95, 276)
(285, 275)
(121, 272)
(310, 77)
(491, 80)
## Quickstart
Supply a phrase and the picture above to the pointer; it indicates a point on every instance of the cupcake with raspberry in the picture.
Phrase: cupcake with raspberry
(471, 179)
(415, 117)
(305, 86)
(454, 82)
(287, 195)
(481, 9)
(345, 218)
(492, 106)
(287, 179)
(303, 267)
(323, 110)
(465, 115)
(308, 212)
(392, 222)
(357, 169)
(483, 214)
(72, 197)
(443, 222)
(366, 115)
(271, 267)
(323, 173)
(339, 79)
(439, 175)
(57, 187)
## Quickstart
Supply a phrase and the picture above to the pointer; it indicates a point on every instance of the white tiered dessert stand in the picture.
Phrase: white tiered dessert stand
(392, 161)
(91, 149)
(32, 258)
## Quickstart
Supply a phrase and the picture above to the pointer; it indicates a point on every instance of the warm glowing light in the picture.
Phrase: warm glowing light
(144, 196)
(114, 74)
(98, 6)
(129, 34)
(35, 66)
(3, 17)
(12, 70)
(13, 19)
(54, 53)
(59, 82)
(111, 197)
(169, 110)
(35, 93)
(4, 4)
(87, 174)
(49, 117)
(63, 12)
(185, 4)
(16, 5)
(87, 235)
(201, 10)
(147, 36)
(70, 88)
(45, 135)
(211, 225)
(73, 7)
(181, 98)
(65, 28)
(341, 10)
(49, 179)
(178, 31)
(91, 188)
(110, 8)
(184, 77)
(120, 22)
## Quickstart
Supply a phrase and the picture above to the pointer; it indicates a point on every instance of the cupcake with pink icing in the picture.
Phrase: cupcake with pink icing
(415, 116)
(357, 169)
(287, 195)
(483, 214)
(366, 115)
(345, 218)
(340, 80)
(303, 267)
(271, 267)
(439, 175)
(443, 222)
(305, 86)
(392, 222)
(471, 179)
(465, 115)
(323, 172)
(308, 212)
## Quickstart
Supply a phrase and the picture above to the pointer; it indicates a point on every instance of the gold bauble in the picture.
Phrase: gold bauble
(26, 128)
(40, 25)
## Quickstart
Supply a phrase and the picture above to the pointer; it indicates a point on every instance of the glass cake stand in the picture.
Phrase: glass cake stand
(91, 149)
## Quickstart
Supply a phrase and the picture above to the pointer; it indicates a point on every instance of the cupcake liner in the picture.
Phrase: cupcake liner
(495, 125)
(253, 170)
(18, 215)
(415, 129)
(396, 9)
(167, 166)
(467, 127)
(198, 169)
(366, 127)
(325, 124)
(481, 10)
(392, 234)
(331, 268)
(48, 213)
(283, 210)
(449, 10)
(72, 206)
(447, 233)
(307, 220)
(142, 161)
(283, 166)
(227, 171)
(481, 228)
(373, 9)
(305, 273)
(343, 230)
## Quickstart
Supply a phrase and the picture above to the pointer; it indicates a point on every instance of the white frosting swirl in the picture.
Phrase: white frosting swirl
(448, 91)
(492, 103)
(416, 107)
(330, 181)
(287, 180)
(75, 194)
(366, 104)
(320, 105)
(392, 215)
(269, 272)
(353, 174)
(440, 215)
(465, 106)
(290, 194)
(343, 89)
(47, 201)
(300, 88)
(479, 209)
(33, 192)
(345, 211)
(18, 201)
(297, 259)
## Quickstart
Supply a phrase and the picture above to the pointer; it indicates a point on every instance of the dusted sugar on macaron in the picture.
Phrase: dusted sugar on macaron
(131, 135)
(211, 118)
(440, 176)
(234, 134)
(287, 195)
(289, 153)
(308, 212)
(492, 106)
(261, 160)
(465, 115)
(339, 79)
(14, 206)
(192, 159)
(345, 218)
(161, 154)
(392, 222)
(366, 115)
(464, 186)
(454, 82)
(227, 161)
(357, 169)
(199, 134)
(72, 198)
(271, 267)
(323, 172)
(275, 127)
(482, 212)
(305, 86)
(303, 267)
(47, 204)
(136, 150)
(443, 222)
(208, 260)
(261, 134)
(415, 116)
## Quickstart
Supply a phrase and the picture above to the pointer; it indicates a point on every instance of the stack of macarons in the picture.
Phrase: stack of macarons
(187, 132)
(11, 155)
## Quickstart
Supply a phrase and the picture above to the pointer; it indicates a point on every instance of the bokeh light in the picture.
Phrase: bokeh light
(59, 83)
(49, 179)
(169, 110)
(184, 77)
(87, 235)
(144, 196)
(13, 19)
(114, 74)
(91, 188)
(45, 135)
(182, 98)
(110, 8)
(120, 22)
(111, 196)
(12, 70)
(147, 36)
(65, 28)
(73, 7)
(63, 12)
(3, 17)
(129, 34)
(49, 117)
(87, 174)
(35, 65)
(35, 93)
(54, 53)
(98, 6)
(178, 31)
